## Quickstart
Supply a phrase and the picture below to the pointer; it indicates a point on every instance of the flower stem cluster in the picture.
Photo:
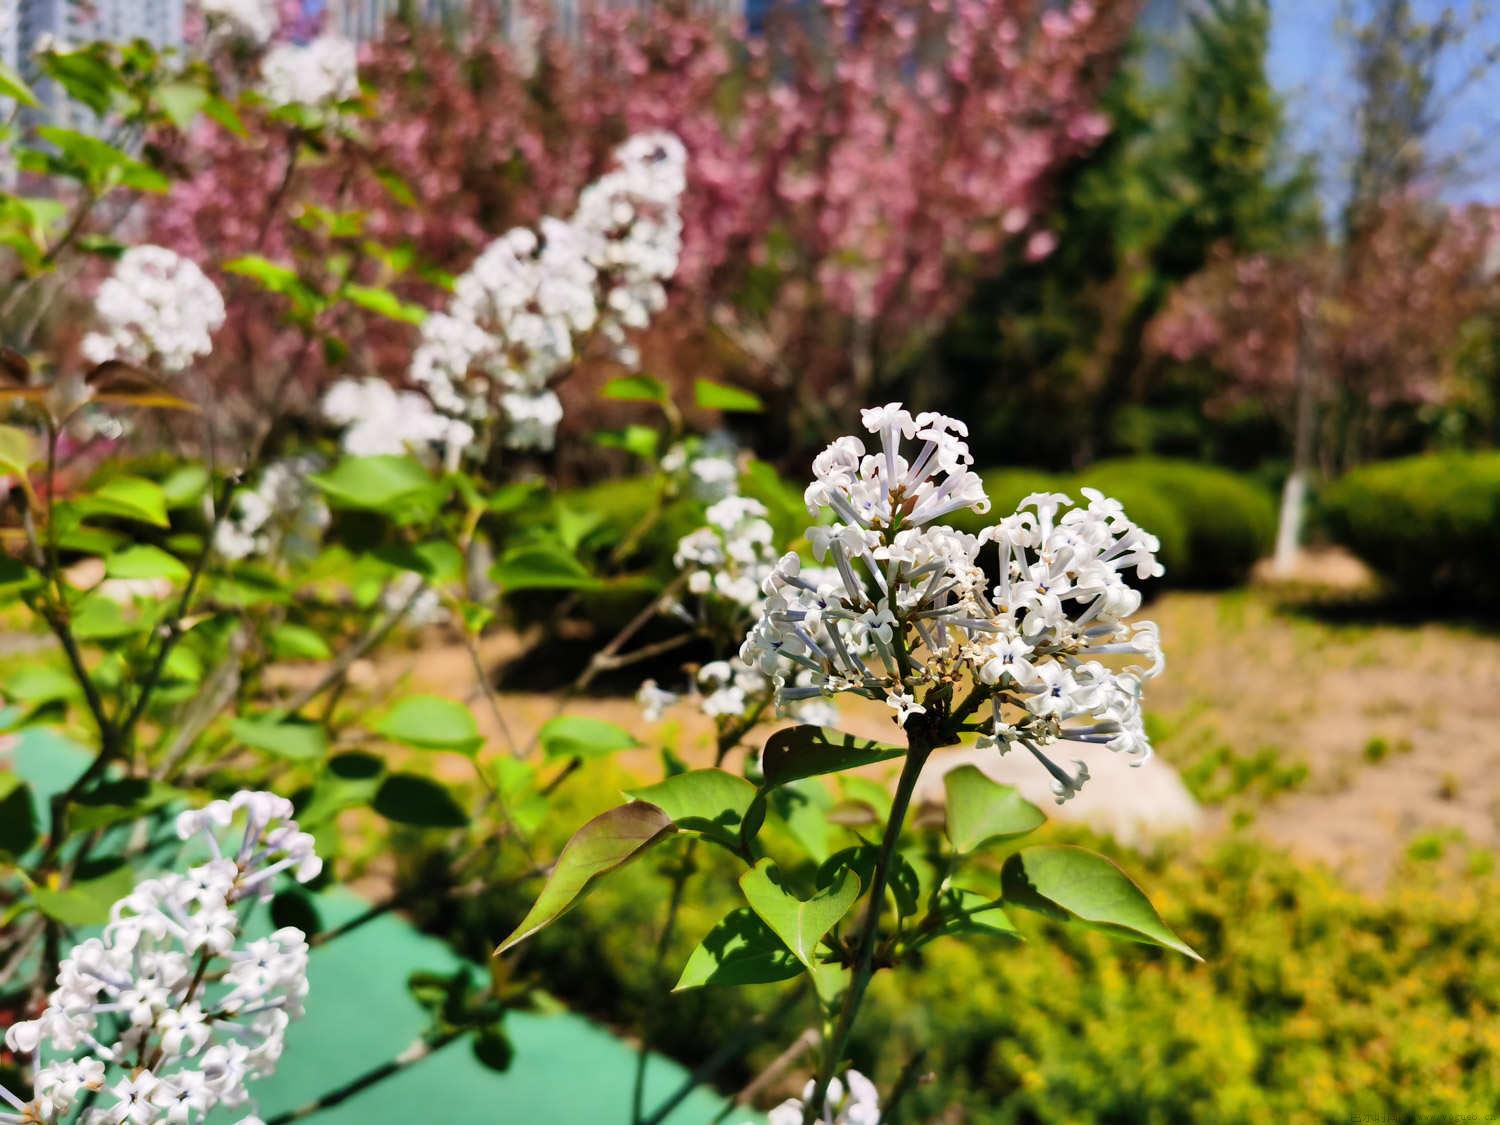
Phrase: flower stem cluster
(911, 616)
(169, 1013)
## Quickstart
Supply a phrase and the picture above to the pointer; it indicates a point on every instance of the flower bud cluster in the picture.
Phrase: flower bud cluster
(909, 615)
(283, 513)
(523, 312)
(157, 309)
(172, 1010)
(852, 1101)
(319, 74)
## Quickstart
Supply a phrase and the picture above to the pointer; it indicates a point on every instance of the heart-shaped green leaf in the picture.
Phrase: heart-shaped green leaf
(740, 949)
(981, 810)
(709, 801)
(807, 751)
(1074, 884)
(606, 843)
(800, 923)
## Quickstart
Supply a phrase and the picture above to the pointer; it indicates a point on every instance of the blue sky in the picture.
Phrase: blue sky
(1310, 66)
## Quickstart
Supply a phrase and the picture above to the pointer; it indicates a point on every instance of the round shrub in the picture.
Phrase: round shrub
(1428, 524)
(1229, 522)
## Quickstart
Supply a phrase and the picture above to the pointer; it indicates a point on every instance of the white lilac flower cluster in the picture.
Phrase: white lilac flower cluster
(156, 309)
(283, 513)
(378, 419)
(706, 469)
(249, 21)
(853, 1101)
(910, 611)
(318, 75)
(724, 565)
(524, 310)
(168, 1013)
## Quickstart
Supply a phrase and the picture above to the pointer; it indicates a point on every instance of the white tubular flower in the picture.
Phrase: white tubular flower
(852, 1101)
(169, 1012)
(157, 309)
(654, 700)
(378, 419)
(906, 608)
(318, 74)
(282, 514)
(250, 21)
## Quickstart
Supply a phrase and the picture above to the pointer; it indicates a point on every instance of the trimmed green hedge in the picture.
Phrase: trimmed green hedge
(1429, 525)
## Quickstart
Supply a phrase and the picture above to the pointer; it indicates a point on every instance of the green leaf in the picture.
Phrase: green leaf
(578, 736)
(407, 798)
(97, 618)
(493, 1050)
(1073, 884)
(181, 102)
(606, 843)
(383, 302)
(87, 901)
(18, 825)
(145, 561)
(716, 396)
(708, 801)
(981, 811)
(298, 642)
(802, 807)
(295, 741)
(962, 912)
(800, 923)
(17, 450)
(36, 684)
(184, 485)
(271, 276)
(374, 483)
(431, 723)
(12, 86)
(740, 949)
(807, 751)
(116, 801)
(131, 498)
(541, 567)
(635, 388)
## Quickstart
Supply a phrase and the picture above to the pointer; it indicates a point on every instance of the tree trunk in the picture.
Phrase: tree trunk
(1294, 492)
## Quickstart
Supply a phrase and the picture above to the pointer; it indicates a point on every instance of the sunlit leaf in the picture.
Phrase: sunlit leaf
(800, 923)
(982, 811)
(1074, 884)
(578, 736)
(431, 723)
(606, 843)
(716, 396)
